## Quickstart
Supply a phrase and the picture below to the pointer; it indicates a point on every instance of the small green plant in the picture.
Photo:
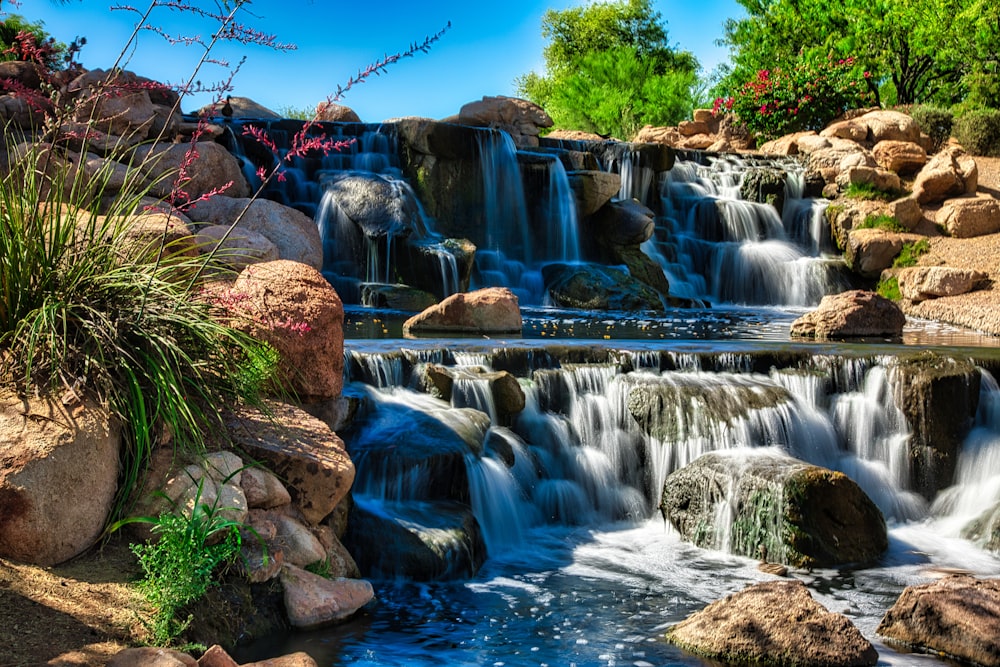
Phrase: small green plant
(910, 253)
(882, 221)
(978, 131)
(868, 191)
(190, 544)
(889, 288)
(935, 121)
(323, 568)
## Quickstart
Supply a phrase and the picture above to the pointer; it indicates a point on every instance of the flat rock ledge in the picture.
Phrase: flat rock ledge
(958, 616)
(777, 624)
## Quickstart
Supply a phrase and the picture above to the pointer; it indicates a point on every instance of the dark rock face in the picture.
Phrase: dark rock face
(765, 186)
(939, 397)
(773, 623)
(800, 514)
(598, 287)
(958, 616)
(415, 540)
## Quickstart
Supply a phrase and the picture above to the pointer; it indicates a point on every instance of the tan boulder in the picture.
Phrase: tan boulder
(241, 107)
(846, 129)
(312, 601)
(949, 173)
(216, 656)
(919, 283)
(236, 249)
(697, 142)
(58, 477)
(889, 125)
(839, 155)
(330, 112)
(657, 135)
(811, 142)
(296, 541)
(969, 216)
(114, 102)
(880, 179)
(688, 128)
(902, 157)
(871, 251)
(850, 314)
(906, 210)
(263, 489)
(299, 659)
(212, 169)
(706, 116)
(575, 135)
(153, 230)
(150, 656)
(522, 119)
(301, 450)
(293, 233)
(958, 616)
(292, 307)
(493, 310)
(773, 623)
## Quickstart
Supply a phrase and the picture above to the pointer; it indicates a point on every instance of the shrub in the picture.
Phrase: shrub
(806, 96)
(935, 121)
(910, 253)
(889, 288)
(882, 221)
(978, 131)
(869, 191)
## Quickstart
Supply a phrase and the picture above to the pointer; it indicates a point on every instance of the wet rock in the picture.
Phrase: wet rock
(970, 216)
(293, 308)
(440, 269)
(396, 297)
(293, 233)
(598, 287)
(493, 310)
(939, 396)
(58, 477)
(958, 616)
(420, 541)
(301, 450)
(803, 515)
(377, 205)
(850, 314)
(313, 601)
(919, 283)
(984, 530)
(623, 222)
(773, 623)
(765, 186)
(593, 189)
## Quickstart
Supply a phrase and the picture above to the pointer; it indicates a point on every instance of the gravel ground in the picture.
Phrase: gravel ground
(979, 310)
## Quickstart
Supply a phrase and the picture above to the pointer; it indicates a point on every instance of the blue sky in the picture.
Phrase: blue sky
(487, 47)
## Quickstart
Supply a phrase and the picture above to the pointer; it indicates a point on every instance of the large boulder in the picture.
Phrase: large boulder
(493, 310)
(301, 450)
(521, 119)
(971, 215)
(207, 166)
(593, 189)
(237, 107)
(313, 601)
(902, 157)
(377, 205)
(58, 477)
(237, 248)
(292, 232)
(919, 283)
(795, 513)
(623, 222)
(850, 314)
(329, 112)
(114, 102)
(958, 616)
(871, 251)
(775, 623)
(598, 287)
(939, 396)
(949, 173)
(292, 307)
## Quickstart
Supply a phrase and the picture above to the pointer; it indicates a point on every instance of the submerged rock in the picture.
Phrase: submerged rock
(773, 623)
(803, 515)
(598, 287)
(958, 616)
(850, 314)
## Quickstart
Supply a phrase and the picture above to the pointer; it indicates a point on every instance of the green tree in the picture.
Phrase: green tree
(609, 68)
(41, 45)
(915, 50)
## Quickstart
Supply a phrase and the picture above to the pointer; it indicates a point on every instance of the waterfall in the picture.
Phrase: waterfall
(561, 235)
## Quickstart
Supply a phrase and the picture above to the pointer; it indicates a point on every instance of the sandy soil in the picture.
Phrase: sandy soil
(979, 310)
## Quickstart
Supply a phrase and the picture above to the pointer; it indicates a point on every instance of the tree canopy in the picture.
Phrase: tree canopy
(609, 68)
(939, 51)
